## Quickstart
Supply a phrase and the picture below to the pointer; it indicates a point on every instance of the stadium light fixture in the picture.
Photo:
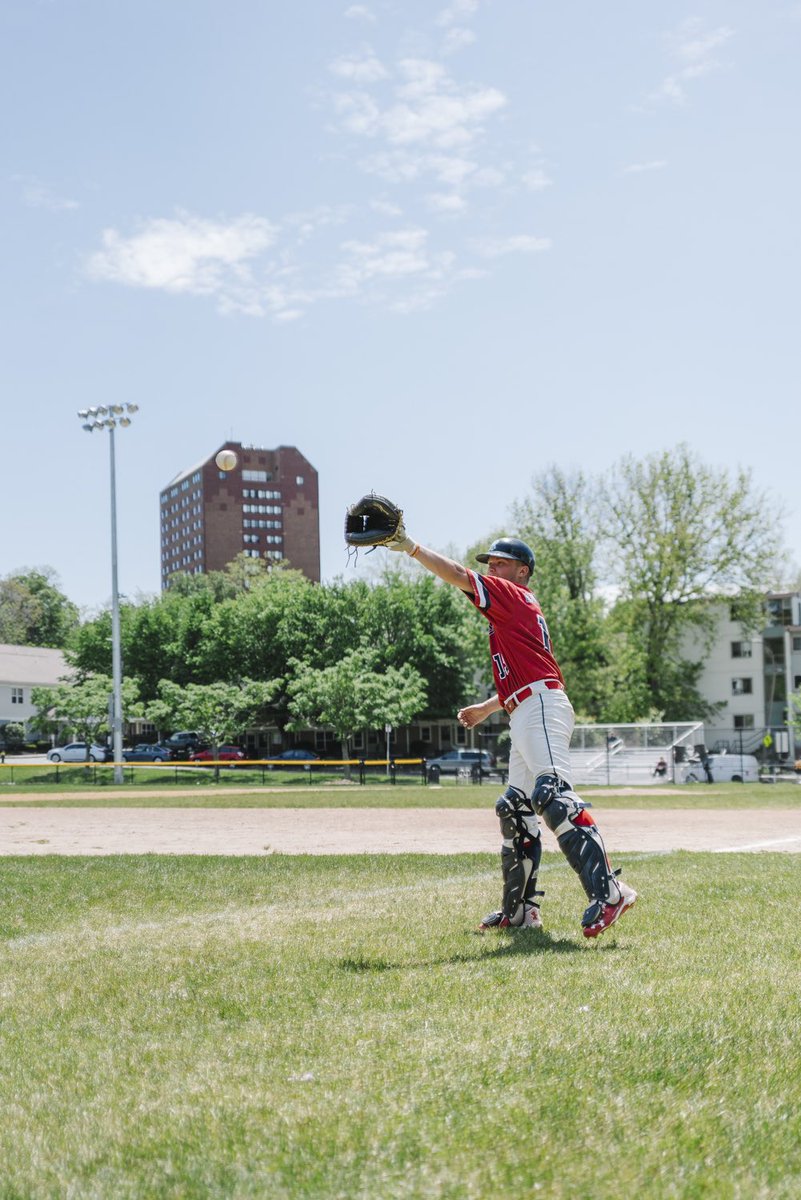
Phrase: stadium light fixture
(107, 420)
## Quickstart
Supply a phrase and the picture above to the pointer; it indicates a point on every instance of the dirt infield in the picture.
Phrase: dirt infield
(93, 831)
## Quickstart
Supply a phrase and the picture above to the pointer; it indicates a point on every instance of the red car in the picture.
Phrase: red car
(224, 754)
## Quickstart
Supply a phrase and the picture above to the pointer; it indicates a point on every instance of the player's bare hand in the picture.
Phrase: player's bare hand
(472, 715)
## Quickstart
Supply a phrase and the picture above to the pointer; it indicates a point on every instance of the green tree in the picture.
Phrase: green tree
(218, 712)
(353, 694)
(12, 736)
(681, 534)
(34, 611)
(559, 521)
(430, 626)
(794, 712)
(82, 707)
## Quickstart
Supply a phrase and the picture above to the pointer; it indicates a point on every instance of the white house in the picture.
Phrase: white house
(21, 669)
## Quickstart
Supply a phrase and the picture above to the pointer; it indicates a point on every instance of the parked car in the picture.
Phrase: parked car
(725, 768)
(295, 757)
(224, 754)
(76, 752)
(182, 744)
(147, 752)
(462, 760)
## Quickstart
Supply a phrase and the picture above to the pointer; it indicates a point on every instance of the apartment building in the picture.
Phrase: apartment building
(267, 507)
(752, 674)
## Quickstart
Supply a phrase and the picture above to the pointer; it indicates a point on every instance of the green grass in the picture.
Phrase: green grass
(68, 777)
(330, 1028)
(204, 794)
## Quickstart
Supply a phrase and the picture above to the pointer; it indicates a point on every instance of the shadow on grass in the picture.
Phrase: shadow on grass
(528, 942)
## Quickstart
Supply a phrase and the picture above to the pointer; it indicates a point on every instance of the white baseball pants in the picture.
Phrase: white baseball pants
(541, 729)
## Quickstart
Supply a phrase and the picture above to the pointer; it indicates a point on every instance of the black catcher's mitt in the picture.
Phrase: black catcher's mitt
(374, 521)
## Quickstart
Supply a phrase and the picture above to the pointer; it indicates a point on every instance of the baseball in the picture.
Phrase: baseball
(226, 460)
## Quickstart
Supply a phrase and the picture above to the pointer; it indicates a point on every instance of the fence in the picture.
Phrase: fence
(639, 754)
(246, 773)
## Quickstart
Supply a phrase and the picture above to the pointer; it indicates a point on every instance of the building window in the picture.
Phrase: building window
(741, 687)
(744, 721)
(461, 736)
(425, 733)
(299, 480)
(797, 643)
(780, 610)
(741, 649)
(358, 740)
(255, 476)
(17, 696)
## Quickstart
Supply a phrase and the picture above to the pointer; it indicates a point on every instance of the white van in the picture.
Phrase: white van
(725, 768)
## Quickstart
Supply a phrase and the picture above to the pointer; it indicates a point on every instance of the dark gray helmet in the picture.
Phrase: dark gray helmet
(509, 547)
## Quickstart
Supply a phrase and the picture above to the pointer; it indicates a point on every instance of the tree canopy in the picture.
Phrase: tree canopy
(34, 611)
(627, 567)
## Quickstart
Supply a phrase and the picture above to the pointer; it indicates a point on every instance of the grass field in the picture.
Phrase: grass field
(464, 795)
(184, 1027)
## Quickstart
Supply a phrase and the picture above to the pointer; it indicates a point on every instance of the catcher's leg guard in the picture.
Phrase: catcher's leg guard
(579, 840)
(520, 858)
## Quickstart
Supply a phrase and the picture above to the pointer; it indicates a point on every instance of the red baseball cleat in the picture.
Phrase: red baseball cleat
(609, 913)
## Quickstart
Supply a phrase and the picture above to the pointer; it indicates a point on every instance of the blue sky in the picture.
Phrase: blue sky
(436, 246)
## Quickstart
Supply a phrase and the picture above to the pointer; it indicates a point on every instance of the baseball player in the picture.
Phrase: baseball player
(531, 689)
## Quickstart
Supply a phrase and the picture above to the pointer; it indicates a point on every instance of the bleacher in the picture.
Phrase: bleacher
(627, 755)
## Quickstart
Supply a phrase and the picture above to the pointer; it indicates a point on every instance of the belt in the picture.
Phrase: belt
(523, 693)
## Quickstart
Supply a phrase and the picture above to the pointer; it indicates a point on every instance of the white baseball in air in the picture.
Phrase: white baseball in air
(226, 460)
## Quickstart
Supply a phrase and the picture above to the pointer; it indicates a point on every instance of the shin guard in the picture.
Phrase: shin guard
(579, 839)
(520, 855)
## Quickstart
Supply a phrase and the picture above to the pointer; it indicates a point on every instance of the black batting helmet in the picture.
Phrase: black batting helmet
(509, 547)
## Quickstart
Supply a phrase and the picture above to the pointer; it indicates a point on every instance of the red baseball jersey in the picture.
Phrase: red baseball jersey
(520, 644)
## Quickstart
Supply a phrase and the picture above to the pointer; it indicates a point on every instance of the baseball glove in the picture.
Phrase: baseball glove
(375, 521)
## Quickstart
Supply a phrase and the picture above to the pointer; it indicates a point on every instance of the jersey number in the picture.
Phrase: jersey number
(500, 665)
(546, 637)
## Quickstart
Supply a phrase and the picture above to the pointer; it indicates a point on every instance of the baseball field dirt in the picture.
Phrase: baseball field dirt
(94, 831)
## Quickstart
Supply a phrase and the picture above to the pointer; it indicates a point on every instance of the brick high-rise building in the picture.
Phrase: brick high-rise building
(267, 507)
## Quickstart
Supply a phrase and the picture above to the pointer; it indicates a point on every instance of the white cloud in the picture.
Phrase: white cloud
(694, 46)
(386, 208)
(456, 39)
(253, 267)
(360, 12)
(693, 50)
(185, 254)
(37, 195)
(457, 10)
(537, 180)
(487, 177)
(360, 68)
(429, 109)
(521, 243)
(637, 168)
(398, 253)
(446, 202)
(399, 166)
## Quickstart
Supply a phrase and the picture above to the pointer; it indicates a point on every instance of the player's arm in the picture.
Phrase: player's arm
(438, 564)
(474, 714)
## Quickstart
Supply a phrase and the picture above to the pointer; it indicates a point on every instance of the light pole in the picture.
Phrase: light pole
(108, 417)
